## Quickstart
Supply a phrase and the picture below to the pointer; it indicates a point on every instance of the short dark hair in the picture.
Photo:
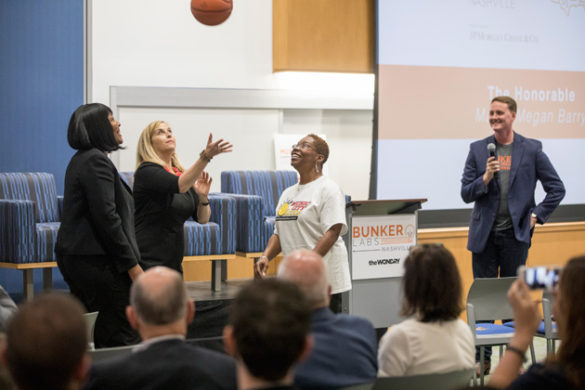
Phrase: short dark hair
(320, 146)
(89, 128)
(46, 341)
(431, 284)
(511, 103)
(271, 321)
(161, 306)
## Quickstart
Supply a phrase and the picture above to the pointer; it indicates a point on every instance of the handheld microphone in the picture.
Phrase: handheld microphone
(491, 147)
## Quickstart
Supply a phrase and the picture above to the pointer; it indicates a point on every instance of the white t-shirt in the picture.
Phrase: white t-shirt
(415, 348)
(303, 215)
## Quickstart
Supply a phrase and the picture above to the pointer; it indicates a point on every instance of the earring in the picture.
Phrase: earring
(317, 168)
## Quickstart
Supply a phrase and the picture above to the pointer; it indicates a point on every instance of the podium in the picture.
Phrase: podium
(381, 232)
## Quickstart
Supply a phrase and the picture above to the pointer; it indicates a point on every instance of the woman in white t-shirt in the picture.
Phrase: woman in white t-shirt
(311, 215)
(433, 339)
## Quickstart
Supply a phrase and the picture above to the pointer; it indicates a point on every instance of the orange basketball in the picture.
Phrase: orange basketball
(211, 12)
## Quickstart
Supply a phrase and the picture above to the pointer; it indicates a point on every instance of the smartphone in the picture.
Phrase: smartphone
(543, 277)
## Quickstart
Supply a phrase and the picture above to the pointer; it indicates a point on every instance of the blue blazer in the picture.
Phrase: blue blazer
(344, 353)
(529, 164)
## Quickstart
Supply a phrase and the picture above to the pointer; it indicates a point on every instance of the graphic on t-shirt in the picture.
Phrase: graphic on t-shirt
(291, 210)
(505, 162)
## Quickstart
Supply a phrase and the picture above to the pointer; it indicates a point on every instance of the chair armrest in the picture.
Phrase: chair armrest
(249, 222)
(60, 199)
(224, 213)
(17, 231)
(547, 316)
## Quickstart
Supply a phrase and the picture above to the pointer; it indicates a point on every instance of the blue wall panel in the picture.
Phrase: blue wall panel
(41, 83)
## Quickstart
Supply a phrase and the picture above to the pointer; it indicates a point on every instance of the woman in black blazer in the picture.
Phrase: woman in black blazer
(166, 194)
(96, 246)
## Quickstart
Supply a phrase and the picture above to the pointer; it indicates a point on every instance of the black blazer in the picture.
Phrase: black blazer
(98, 212)
(169, 364)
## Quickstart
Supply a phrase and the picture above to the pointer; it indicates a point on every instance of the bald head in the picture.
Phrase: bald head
(159, 297)
(306, 269)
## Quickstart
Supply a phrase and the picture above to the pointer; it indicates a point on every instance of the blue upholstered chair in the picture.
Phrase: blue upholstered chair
(29, 215)
(256, 194)
(29, 222)
(215, 239)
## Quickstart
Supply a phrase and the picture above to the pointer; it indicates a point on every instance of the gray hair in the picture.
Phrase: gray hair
(306, 269)
(159, 296)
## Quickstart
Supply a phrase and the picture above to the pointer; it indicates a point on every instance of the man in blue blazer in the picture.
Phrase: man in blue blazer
(501, 182)
(345, 346)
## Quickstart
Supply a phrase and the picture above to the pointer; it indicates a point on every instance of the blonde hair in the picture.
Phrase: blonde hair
(146, 153)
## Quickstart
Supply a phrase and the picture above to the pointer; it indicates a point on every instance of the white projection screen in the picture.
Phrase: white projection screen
(439, 63)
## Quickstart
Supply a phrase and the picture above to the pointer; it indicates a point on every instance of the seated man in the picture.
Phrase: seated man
(160, 311)
(345, 347)
(268, 333)
(46, 344)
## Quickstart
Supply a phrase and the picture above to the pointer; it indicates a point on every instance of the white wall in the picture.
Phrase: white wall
(159, 43)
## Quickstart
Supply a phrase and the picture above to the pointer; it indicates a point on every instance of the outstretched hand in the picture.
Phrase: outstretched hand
(203, 184)
(214, 148)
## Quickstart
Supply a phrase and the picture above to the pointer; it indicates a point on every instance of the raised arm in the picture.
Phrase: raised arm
(475, 180)
(526, 319)
(191, 174)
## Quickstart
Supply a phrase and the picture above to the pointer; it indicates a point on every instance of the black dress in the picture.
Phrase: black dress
(161, 212)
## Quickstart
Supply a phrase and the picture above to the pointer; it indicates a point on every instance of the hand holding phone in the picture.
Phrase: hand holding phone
(542, 277)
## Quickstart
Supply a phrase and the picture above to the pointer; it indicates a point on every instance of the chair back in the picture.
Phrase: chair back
(548, 301)
(214, 343)
(90, 323)
(447, 381)
(489, 299)
(363, 386)
(268, 184)
(101, 354)
(37, 187)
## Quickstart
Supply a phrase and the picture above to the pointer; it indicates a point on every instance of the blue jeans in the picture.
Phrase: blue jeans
(502, 256)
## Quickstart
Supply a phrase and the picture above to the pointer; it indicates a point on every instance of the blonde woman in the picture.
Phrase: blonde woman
(166, 194)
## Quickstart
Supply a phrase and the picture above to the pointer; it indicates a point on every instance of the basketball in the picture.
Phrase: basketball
(211, 12)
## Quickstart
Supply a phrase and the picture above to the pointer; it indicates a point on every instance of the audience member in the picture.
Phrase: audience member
(268, 334)
(432, 339)
(160, 311)
(566, 368)
(7, 309)
(46, 344)
(345, 347)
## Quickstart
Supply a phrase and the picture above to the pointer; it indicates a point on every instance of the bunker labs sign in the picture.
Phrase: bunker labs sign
(379, 245)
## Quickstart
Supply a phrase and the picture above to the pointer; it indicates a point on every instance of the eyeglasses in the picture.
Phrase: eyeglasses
(302, 145)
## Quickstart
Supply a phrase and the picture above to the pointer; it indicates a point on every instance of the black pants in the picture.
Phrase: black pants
(100, 287)
(336, 304)
(501, 257)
